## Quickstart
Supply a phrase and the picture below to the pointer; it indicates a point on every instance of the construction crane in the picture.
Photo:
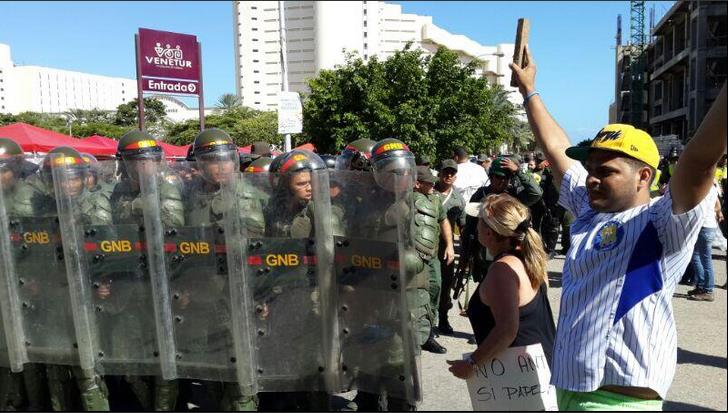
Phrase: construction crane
(637, 61)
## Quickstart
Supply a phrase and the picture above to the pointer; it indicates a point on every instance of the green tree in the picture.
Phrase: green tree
(126, 113)
(229, 101)
(432, 103)
(243, 124)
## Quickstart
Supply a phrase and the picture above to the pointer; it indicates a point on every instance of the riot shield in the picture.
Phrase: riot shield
(199, 282)
(70, 193)
(43, 288)
(117, 278)
(12, 348)
(289, 268)
(372, 245)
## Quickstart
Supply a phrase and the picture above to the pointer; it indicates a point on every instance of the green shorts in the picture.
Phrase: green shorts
(603, 400)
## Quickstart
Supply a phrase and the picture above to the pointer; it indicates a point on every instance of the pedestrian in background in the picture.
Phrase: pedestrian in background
(470, 176)
(454, 206)
(702, 260)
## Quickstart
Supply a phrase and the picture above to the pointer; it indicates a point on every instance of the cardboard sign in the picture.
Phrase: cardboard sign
(517, 379)
(290, 113)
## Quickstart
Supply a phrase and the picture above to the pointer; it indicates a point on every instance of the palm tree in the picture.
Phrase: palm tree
(229, 101)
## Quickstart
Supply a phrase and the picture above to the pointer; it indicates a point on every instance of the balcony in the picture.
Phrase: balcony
(670, 63)
(669, 115)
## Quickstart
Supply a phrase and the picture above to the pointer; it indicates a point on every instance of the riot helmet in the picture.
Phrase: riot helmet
(216, 155)
(292, 173)
(93, 169)
(674, 154)
(356, 156)
(393, 165)
(261, 164)
(134, 149)
(11, 162)
(245, 161)
(329, 160)
(75, 169)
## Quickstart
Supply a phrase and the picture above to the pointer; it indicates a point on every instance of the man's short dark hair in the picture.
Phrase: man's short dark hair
(460, 153)
(636, 164)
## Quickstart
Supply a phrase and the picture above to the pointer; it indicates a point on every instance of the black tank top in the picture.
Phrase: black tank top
(535, 321)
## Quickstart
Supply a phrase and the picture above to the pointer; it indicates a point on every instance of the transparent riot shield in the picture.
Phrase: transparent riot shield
(289, 265)
(43, 288)
(12, 347)
(372, 246)
(199, 281)
(71, 196)
(244, 205)
(117, 277)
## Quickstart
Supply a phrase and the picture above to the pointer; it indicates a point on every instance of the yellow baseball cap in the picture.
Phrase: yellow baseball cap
(625, 139)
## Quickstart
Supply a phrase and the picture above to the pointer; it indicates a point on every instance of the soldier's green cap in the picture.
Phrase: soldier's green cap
(449, 164)
(425, 175)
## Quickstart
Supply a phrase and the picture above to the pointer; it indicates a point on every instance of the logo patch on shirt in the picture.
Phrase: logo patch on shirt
(609, 236)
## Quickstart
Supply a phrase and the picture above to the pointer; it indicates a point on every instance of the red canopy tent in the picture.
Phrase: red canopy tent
(34, 139)
(173, 151)
(170, 151)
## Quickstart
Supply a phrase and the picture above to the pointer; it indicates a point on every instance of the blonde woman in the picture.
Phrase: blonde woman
(510, 306)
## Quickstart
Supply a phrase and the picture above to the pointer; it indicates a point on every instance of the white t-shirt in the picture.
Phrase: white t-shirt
(470, 177)
(710, 221)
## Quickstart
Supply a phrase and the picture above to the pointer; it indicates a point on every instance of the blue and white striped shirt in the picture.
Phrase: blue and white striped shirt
(616, 324)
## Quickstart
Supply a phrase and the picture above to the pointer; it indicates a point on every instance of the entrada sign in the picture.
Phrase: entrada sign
(168, 63)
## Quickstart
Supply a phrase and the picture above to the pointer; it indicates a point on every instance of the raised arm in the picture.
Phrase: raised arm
(695, 169)
(549, 135)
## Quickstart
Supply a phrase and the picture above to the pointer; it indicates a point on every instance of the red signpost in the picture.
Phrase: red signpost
(168, 63)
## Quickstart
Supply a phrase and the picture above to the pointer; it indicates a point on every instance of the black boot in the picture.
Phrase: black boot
(445, 328)
(433, 346)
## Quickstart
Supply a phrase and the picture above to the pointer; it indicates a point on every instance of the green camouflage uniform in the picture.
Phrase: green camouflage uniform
(153, 392)
(205, 207)
(35, 196)
(429, 213)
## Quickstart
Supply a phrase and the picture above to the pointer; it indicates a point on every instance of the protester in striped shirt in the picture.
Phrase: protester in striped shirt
(616, 339)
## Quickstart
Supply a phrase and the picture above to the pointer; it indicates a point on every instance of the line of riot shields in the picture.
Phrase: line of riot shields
(277, 282)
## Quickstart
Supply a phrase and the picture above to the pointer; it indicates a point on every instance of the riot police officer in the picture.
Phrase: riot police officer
(140, 155)
(430, 223)
(390, 219)
(11, 384)
(205, 334)
(289, 296)
(49, 295)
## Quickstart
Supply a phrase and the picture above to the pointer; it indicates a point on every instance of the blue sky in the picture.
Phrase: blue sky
(572, 42)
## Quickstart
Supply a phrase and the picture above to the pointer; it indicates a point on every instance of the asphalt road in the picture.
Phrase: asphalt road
(700, 381)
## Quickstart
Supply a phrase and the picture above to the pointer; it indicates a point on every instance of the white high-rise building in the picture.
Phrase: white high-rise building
(318, 32)
(49, 90)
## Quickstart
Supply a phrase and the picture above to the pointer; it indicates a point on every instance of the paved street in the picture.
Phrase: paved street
(700, 382)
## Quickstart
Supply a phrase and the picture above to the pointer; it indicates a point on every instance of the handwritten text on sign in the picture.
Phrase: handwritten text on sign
(517, 379)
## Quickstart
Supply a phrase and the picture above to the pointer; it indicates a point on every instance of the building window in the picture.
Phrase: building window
(254, 50)
(365, 35)
(253, 18)
(365, 45)
(255, 29)
(365, 23)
